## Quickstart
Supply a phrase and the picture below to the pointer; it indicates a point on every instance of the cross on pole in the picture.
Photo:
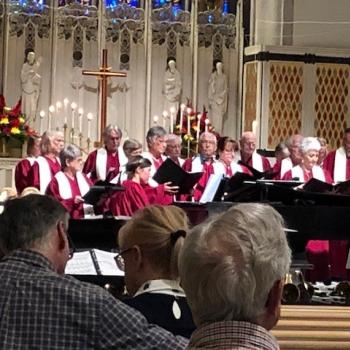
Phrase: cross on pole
(103, 74)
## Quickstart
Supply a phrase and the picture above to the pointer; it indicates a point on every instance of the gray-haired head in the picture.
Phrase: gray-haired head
(240, 254)
(308, 144)
(131, 145)
(173, 138)
(153, 133)
(69, 153)
(47, 141)
(109, 128)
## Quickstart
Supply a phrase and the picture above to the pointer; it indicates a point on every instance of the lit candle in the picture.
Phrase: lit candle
(65, 103)
(172, 117)
(165, 116)
(255, 127)
(206, 124)
(89, 118)
(182, 109)
(199, 116)
(80, 113)
(42, 115)
(73, 106)
(51, 111)
(58, 109)
(188, 121)
(155, 119)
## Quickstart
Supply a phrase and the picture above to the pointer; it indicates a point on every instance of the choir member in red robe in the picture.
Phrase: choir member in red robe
(226, 164)
(323, 151)
(48, 164)
(203, 162)
(281, 153)
(138, 193)
(337, 163)
(70, 185)
(249, 155)
(105, 163)
(23, 166)
(173, 149)
(317, 251)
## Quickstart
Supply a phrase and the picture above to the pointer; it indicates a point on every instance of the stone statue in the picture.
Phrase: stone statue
(217, 95)
(30, 85)
(172, 85)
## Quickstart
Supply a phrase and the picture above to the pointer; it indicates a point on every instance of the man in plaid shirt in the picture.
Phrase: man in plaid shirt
(41, 308)
(242, 256)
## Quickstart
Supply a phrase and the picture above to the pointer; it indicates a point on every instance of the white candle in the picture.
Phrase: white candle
(51, 111)
(255, 127)
(182, 109)
(206, 125)
(42, 115)
(188, 124)
(58, 109)
(172, 117)
(155, 119)
(80, 113)
(165, 116)
(73, 106)
(89, 118)
(65, 103)
(199, 116)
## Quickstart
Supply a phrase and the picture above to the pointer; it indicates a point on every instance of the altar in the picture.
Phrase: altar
(7, 172)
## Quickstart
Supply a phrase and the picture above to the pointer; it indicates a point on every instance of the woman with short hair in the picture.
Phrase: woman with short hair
(70, 185)
(149, 248)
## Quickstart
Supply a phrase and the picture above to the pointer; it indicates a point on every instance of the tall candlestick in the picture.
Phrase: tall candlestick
(58, 109)
(65, 103)
(199, 116)
(89, 118)
(51, 111)
(80, 113)
(182, 108)
(172, 117)
(188, 124)
(206, 124)
(165, 116)
(42, 115)
(73, 106)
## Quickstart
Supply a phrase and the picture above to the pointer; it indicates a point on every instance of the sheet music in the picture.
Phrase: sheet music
(107, 263)
(211, 188)
(80, 264)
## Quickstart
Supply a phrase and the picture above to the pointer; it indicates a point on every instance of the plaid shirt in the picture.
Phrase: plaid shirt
(232, 335)
(40, 309)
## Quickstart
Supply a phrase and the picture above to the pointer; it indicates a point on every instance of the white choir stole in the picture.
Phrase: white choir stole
(317, 173)
(101, 162)
(340, 165)
(66, 191)
(45, 175)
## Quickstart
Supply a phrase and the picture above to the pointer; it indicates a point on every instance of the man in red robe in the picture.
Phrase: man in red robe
(337, 163)
(249, 155)
(105, 162)
(48, 164)
(203, 162)
(23, 167)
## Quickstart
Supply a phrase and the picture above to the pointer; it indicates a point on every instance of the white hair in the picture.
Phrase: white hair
(173, 138)
(70, 152)
(207, 135)
(309, 144)
(110, 128)
(154, 133)
(46, 140)
(229, 264)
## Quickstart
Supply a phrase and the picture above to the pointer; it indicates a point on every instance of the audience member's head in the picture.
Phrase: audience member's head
(29, 190)
(132, 148)
(232, 267)
(173, 146)
(71, 159)
(39, 223)
(323, 150)
(281, 151)
(309, 150)
(207, 145)
(139, 169)
(150, 243)
(293, 143)
(33, 146)
(112, 136)
(247, 145)
(52, 142)
(226, 149)
(346, 142)
(156, 140)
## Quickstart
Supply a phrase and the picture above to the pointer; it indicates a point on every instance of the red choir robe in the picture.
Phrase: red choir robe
(136, 196)
(76, 210)
(318, 252)
(196, 164)
(40, 167)
(338, 165)
(108, 166)
(259, 162)
(221, 168)
(22, 173)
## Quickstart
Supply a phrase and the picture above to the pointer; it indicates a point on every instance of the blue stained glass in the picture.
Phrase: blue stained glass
(210, 18)
(226, 7)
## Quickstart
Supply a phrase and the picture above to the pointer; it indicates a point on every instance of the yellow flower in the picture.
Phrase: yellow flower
(4, 120)
(15, 131)
(21, 120)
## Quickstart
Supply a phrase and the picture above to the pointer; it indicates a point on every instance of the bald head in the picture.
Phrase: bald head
(248, 145)
(207, 144)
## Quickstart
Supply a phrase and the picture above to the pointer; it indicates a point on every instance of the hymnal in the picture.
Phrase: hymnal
(259, 174)
(93, 262)
(97, 191)
(169, 171)
(315, 185)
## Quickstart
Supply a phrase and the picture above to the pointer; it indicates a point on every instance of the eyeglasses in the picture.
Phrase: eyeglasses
(119, 260)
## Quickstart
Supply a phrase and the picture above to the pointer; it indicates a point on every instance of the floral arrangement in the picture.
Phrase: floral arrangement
(193, 123)
(13, 123)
